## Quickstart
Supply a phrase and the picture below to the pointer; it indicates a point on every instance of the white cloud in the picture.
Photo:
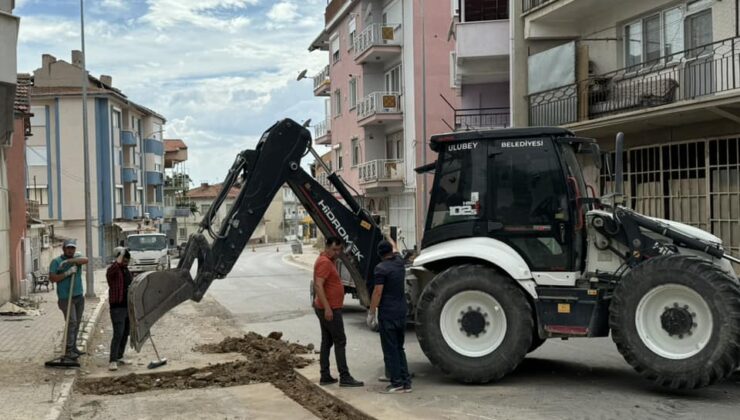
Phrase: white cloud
(210, 14)
(283, 12)
(115, 4)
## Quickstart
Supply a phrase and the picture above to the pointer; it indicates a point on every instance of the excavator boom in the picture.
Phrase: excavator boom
(259, 173)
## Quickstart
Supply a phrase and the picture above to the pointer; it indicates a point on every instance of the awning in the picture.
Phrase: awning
(127, 226)
(320, 43)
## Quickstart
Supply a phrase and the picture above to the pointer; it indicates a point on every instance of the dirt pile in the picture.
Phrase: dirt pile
(268, 359)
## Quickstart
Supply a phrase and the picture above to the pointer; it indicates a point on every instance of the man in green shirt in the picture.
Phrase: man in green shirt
(66, 271)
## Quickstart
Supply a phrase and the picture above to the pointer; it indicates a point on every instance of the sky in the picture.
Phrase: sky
(219, 71)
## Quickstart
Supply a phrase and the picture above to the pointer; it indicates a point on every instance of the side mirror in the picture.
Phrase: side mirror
(172, 242)
(121, 242)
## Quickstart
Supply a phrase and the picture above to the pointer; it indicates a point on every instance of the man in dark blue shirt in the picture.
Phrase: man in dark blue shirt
(390, 303)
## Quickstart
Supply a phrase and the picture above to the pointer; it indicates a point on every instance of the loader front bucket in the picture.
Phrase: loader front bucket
(151, 295)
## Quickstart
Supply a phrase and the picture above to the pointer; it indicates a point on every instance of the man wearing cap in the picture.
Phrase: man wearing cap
(66, 271)
(389, 301)
(119, 279)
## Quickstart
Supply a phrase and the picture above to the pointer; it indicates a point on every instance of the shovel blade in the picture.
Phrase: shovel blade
(151, 295)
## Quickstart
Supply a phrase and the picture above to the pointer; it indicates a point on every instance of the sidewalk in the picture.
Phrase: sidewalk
(305, 260)
(175, 335)
(29, 390)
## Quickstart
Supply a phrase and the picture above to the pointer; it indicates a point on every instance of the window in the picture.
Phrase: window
(141, 196)
(453, 69)
(698, 31)
(334, 48)
(183, 234)
(337, 103)
(204, 208)
(119, 195)
(394, 146)
(116, 119)
(352, 93)
(338, 158)
(36, 155)
(355, 152)
(651, 37)
(117, 156)
(39, 193)
(352, 30)
(39, 116)
(393, 81)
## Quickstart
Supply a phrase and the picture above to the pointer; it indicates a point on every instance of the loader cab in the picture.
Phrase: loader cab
(523, 187)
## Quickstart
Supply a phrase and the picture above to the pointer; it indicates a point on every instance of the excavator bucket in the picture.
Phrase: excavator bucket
(151, 295)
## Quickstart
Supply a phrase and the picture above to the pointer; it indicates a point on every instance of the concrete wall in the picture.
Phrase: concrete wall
(16, 158)
(5, 252)
(489, 95)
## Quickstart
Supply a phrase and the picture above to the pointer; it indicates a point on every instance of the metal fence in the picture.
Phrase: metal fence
(476, 118)
(528, 5)
(684, 75)
(379, 103)
(696, 182)
(381, 170)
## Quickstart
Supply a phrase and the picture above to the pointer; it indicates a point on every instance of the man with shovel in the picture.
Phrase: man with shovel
(66, 271)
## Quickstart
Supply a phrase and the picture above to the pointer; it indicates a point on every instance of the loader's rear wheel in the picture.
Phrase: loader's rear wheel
(474, 323)
(676, 320)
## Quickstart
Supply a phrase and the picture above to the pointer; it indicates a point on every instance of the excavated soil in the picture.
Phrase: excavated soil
(268, 359)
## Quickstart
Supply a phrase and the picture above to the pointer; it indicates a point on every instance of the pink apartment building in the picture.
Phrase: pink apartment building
(395, 77)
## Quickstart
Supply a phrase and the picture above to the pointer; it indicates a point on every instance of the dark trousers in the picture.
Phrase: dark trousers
(119, 319)
(332, 334)
(392, 335)
(75, 318)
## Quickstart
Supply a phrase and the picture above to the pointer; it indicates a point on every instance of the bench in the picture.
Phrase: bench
(41, 279)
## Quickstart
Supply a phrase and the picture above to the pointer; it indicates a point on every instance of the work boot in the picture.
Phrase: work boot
(350, 382)
(328, 380)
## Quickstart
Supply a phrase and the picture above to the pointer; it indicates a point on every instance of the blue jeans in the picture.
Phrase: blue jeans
(392, 335)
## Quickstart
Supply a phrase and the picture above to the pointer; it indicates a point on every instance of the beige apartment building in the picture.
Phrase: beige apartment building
(126, 155)
(666, 73)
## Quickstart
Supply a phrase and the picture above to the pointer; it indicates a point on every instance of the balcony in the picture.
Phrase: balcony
(322, 132)
(131, 211)
(379, 107)
(323, 180)
(154, 178)
(129, 174)
(482, 118)
(128, 138)
(32, 207)
(693, 84)
(155, 211)
(381, 173)
(378, 43)
(482, 51)
(321, 83)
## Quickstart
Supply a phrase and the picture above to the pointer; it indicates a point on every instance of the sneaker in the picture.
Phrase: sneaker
(392, 389)
(78, 352)
(327, 381)
(123, 362)
(350, 382)
(113, 366)
(407, 388)
(384, 379)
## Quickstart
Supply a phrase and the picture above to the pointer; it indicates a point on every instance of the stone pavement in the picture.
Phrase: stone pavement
(28, 390)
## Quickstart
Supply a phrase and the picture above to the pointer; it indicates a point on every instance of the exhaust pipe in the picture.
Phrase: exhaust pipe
(619, 168)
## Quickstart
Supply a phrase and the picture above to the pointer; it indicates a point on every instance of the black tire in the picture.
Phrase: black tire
(519, 324)
(717, 359)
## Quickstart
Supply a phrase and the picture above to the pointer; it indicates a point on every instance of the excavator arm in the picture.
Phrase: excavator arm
(259, 174)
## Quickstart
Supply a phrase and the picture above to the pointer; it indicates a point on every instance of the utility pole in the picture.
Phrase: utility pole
(90, 277)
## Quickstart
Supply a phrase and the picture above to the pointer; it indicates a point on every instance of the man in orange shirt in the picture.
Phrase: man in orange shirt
(328, 305)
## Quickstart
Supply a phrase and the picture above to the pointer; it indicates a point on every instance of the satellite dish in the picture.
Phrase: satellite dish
(302, 75)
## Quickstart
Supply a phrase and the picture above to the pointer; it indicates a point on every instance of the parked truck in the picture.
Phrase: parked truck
(149, 248)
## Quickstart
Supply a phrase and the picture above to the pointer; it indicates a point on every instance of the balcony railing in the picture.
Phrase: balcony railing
(379, 103)
(131, 211)
(322, 128)
(381, 170)
(321, 80)
(323, 180)
(478, 118)
(128, 138)
(377, 34)
(129, 174)
(480, 10)
(528, 5)
(689, 74)
(32, 207)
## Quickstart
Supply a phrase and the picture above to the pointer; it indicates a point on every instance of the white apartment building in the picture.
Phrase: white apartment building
(664, 72)
(126, 154)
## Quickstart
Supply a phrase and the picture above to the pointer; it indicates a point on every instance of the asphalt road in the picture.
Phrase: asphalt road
(573, 379)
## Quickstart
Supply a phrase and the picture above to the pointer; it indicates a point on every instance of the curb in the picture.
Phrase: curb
(288, 259)
(357, 413)
(58, 406)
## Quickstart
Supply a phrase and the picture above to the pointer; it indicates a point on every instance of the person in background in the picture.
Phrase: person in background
(119, 279)
(66, 271)
(388, 306)
(328, 305)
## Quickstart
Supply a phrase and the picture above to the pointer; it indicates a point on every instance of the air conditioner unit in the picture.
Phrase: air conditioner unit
(45, 241)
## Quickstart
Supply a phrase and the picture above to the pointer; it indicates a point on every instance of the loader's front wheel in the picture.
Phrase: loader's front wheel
(676, 320)
(474, 323)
